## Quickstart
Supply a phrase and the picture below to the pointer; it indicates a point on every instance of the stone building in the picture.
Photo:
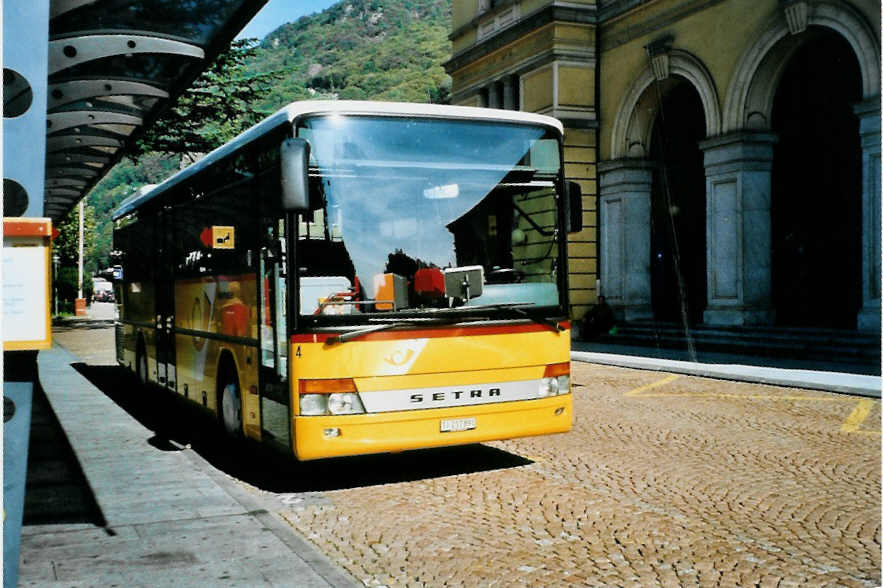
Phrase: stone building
(728, 150)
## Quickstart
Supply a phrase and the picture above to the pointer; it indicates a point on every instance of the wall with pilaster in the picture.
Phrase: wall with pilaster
(553, 66)
(580, 165)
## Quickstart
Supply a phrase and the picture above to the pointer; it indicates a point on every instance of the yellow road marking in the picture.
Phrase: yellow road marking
(850, 425)
(857, 417)
(657, 384)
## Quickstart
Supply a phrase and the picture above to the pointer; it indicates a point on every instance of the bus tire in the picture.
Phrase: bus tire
(230, 401)
(141, 363)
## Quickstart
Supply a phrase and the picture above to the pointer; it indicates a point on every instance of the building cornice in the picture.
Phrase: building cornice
(557, 12)
(531, 63)
(613, 8)
(610, 38)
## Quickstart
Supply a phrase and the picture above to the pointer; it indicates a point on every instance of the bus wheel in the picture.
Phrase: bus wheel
(231, 404)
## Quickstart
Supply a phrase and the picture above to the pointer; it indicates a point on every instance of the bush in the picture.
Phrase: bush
(66, 284)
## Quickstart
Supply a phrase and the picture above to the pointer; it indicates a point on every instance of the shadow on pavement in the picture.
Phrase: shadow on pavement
(178, 423)
(56, 490)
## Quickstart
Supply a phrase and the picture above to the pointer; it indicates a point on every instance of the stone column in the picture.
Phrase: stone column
(495, 95)
(868, 113)
(510, 93)
(483, 98)
(738, 230)
(625, 236)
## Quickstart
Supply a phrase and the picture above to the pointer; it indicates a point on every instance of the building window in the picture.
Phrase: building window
(497, 22)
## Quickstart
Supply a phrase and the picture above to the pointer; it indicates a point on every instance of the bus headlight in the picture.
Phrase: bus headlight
(345, 403)
(556, 380)
(554, 386)
(548, 387)
(314, 404)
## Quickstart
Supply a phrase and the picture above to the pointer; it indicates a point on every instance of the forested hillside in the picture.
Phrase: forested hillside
(356, 49)
(361, 49)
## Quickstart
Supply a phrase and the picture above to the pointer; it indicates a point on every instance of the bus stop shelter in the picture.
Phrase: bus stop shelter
(82, 81)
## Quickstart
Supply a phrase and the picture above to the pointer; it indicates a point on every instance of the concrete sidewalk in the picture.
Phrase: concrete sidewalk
(844, 383)
(171, 519)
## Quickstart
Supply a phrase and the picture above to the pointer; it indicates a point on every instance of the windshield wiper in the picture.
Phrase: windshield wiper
(516, 308)
(350, 335)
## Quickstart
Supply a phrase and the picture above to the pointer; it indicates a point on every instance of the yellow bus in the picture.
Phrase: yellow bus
(354, 277)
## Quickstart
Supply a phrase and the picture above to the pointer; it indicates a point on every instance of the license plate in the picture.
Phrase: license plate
(453, 425)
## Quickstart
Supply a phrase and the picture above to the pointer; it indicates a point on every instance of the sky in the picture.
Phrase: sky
(278, 12)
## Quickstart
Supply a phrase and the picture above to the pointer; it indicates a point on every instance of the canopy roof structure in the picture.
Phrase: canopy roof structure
(114, 67)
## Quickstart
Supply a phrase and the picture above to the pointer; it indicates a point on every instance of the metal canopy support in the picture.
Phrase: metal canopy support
(63, 192)
(72, 171)
(65, 158)
(61, 143)
(66, 182)
(25, 40)
(58, 121)
(65, 53)
(113, 67)
(71, 91)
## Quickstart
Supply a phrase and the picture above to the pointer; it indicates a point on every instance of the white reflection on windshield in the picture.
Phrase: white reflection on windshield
(404, 195)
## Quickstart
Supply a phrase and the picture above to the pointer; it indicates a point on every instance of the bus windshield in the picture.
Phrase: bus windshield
(422, 215)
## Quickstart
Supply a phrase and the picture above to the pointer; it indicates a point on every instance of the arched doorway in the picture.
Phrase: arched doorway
(816, 187)
(677, 211)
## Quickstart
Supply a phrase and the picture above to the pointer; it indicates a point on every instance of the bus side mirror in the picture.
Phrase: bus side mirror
(574, 207)
(295, 158)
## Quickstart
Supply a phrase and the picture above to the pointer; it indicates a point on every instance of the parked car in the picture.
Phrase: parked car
(102, 291)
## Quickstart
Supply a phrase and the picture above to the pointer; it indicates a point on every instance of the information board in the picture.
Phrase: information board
(26, 316)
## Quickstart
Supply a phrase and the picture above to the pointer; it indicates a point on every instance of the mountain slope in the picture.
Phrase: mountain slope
(361, 49)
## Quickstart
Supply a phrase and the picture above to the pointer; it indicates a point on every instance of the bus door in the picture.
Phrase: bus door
(275, 398)
(165, 302)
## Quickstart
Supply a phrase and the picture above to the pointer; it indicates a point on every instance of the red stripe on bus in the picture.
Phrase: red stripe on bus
(430, 333)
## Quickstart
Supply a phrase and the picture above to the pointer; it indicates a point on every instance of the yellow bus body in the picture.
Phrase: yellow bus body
(427, 362)
(378, 364)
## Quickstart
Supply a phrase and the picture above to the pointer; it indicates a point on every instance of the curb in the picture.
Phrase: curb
(838, 382)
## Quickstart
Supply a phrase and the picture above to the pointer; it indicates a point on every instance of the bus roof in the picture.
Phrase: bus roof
(295, 110)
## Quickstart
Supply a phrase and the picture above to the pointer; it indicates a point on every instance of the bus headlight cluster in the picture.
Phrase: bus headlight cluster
(334, 404)
(554, 386)
(346, 403)
(314, 404)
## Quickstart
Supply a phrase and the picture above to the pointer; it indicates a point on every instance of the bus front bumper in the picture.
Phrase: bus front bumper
(318, 437)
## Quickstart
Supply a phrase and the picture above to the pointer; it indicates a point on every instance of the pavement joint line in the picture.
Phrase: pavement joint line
(653, 385)
(857, 417)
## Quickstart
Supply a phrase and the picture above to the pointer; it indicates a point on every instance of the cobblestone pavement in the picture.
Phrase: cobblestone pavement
(665, 480)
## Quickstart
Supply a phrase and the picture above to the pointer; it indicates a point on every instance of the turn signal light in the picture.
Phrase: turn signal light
(557, 369)
(328, 386)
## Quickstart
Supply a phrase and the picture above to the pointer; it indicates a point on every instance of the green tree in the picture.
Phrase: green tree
(124, 179)
(66, 246)
(214, 109)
